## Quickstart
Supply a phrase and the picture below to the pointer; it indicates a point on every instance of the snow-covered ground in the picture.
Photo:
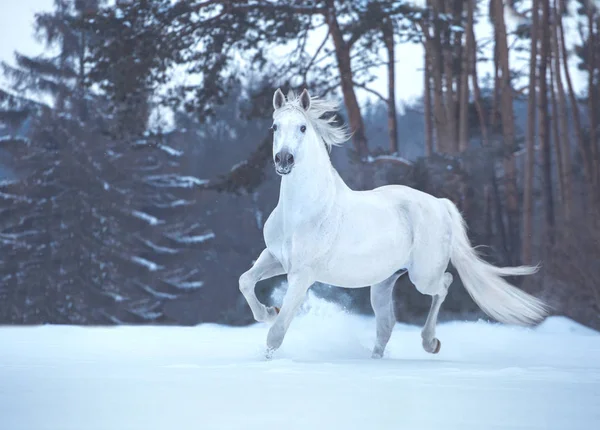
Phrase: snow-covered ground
(486, 376)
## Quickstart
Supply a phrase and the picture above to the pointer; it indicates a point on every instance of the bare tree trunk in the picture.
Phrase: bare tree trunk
(388, 38)
(342, 53)
(487, 211)
(467, 67)
(530, 155)
(491, 189)
(436, 62)
(556, 140)
(450, 96)
(62, 63)
(81, 88)
(563, 137)
(508, 128)
(592, 96)
(451, 47)
(504, 239)
(544, 125)
(443, 47)
(583, 150)
(427, 103)
(496, 94)
(476, 89)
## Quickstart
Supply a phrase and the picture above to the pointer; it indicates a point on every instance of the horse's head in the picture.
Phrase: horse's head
(303, 130)
(291, 131)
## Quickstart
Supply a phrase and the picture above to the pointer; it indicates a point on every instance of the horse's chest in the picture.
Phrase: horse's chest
(297, 244)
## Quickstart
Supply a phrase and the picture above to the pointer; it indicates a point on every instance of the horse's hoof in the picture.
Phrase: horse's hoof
(269, 353)
(377, 352)
(432, 347)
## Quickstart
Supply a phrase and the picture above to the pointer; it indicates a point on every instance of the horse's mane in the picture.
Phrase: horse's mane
(332, 133)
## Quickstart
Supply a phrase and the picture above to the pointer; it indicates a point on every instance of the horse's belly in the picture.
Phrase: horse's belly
(359, 275)
(355, 265)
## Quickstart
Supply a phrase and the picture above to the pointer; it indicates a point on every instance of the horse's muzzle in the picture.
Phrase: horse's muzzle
(284, 161)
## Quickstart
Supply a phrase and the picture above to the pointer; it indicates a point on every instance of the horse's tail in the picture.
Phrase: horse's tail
(483, 281)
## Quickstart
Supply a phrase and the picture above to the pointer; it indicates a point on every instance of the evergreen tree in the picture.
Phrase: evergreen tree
(94, 230)
(61, 76)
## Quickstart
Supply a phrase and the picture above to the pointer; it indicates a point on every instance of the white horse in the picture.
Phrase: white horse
(323, 231)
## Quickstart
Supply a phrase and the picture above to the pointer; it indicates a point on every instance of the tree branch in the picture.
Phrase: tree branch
(314, 57)
(358, 34)
(375, 93)
(305, 10)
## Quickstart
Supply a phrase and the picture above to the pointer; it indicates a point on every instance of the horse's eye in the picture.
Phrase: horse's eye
(303, 128)
(274, 127)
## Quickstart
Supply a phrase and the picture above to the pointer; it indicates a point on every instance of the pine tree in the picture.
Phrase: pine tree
(83, 238)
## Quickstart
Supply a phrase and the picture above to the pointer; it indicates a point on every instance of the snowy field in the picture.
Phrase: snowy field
(486, 376)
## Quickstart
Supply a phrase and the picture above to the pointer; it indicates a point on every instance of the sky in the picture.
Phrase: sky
(16, 29)
(16, 26)
(16, 33)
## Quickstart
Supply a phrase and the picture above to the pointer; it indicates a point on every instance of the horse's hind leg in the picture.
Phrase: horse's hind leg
(430, 342)
(383, 307)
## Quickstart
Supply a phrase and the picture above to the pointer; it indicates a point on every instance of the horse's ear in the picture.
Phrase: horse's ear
(305, 99)
(278, 99)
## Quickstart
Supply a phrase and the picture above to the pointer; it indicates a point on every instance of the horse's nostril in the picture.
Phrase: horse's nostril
(290, 159)
(277, 158)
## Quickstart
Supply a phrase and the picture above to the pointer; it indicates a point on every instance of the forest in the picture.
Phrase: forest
(136, 170)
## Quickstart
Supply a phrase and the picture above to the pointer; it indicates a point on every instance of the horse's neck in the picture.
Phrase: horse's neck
(310, 190)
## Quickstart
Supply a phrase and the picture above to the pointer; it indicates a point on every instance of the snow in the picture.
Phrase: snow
(6, 182)
(171, 151)
(157, 294)
(159, 249)
(15, 197)
(391, 158)
(192, 285)
(150, 265)
(486, 376)
(258, 214)
(238, 165)
(152, 220)
(194, 239)
(175, 181)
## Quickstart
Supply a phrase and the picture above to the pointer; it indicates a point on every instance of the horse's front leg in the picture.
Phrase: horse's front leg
(266, 266)
(298, 285)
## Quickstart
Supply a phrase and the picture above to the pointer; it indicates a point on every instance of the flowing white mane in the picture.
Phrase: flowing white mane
(332, 134)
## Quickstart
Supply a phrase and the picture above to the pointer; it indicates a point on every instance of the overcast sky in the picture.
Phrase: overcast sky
(16, 33)
(16, 26)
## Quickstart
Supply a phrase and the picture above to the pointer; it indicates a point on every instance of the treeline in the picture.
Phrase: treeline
(106, 204)
(100, 224)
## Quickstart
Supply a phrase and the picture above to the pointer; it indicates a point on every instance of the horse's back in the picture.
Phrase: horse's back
(420, 206)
